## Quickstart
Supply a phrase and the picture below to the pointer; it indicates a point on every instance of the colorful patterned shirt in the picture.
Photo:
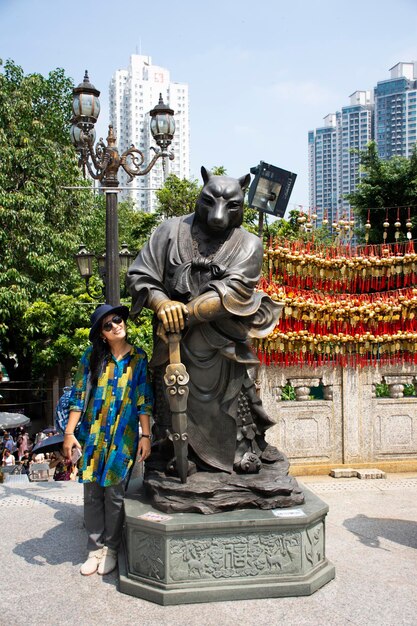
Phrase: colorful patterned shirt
(109, 428)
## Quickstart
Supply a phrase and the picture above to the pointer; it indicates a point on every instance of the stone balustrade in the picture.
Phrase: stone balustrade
(348, 424)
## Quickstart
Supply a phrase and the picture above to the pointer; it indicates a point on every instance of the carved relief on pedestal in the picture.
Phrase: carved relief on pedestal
(235, 556)
(314, 545)
(147, 555)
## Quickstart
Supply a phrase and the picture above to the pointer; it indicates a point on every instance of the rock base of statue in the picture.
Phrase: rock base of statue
(183, 558)
(215, 492)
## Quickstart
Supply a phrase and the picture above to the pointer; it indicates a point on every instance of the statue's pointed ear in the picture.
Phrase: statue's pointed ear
(244, 181)
(205, 174)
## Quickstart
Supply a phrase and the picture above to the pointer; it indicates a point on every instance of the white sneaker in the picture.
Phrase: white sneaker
(92, 563)
(108, 561)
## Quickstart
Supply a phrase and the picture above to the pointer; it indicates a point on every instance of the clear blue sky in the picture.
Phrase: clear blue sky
(260, 74)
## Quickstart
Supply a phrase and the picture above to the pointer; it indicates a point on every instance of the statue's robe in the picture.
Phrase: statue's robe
(217, 354)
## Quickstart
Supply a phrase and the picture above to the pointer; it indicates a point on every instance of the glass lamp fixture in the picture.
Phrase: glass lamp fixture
(85, 103)
(126, 257)
(84, 261)
(162, 124)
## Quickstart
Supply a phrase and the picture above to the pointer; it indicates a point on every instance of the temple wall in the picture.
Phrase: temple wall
(349, 426)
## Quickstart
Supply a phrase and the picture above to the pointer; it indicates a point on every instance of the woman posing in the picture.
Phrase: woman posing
(114, 376)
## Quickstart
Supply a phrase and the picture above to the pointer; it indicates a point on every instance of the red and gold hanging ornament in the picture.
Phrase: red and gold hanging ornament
(409, 225)
(397, 225)
(368, 226)
(342, 269)
(342, 305)
(386, 226)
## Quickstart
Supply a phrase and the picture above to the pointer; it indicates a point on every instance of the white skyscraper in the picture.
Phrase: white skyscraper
(354, 132)
(133, 93)
(333, 158)
(322, 157)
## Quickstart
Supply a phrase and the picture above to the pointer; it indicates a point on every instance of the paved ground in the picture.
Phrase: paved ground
(371, 539)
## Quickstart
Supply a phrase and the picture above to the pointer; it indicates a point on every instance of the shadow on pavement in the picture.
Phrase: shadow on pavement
(66, 541)
(370, 530)
(62, 543)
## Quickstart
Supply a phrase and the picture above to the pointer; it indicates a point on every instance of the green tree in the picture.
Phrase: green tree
(391, 183)
(57, 327)
(290, 229)
(177, 197)
(41, 220)
(282, 228)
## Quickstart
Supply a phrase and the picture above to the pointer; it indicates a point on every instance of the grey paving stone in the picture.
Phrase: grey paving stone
(370, 539)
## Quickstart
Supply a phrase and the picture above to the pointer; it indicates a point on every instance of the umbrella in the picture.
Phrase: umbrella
(13, 420)
(50, 444)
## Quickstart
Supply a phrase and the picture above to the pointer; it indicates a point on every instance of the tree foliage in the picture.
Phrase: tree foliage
(57, 328)
(177, 197)
(386, 184)
(41, 222)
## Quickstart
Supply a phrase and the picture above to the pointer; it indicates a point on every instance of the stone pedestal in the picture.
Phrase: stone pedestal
(183, 558)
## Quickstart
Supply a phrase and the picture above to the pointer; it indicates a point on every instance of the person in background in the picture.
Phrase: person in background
(25, 462)
(38, 457)
(63, 466)
(119, 400)
(9, 443)
(40, 437)
(8, 458)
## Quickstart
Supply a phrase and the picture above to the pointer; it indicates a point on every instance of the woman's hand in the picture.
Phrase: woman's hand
(69, 442)
(144, 449)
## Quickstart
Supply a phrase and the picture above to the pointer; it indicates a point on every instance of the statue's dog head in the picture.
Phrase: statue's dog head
(219, 206)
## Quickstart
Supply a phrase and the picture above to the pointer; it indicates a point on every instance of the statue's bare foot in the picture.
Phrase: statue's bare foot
(250, 463)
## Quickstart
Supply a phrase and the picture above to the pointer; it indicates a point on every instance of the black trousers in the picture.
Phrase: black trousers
(103, 515)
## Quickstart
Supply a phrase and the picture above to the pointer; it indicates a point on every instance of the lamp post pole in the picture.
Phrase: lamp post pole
(112, 248)
(102, 161)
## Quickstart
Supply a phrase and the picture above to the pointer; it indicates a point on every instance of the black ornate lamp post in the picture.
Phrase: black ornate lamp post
(103, 161)
(85, 260)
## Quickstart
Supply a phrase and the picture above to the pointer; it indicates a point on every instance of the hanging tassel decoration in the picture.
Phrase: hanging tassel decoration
(386, 226)
(368, 226)
(397, 226)
(409, 225)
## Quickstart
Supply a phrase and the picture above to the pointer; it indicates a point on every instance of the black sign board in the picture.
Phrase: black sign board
(271, 189)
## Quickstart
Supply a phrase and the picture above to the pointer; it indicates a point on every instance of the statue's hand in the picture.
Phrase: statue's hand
(160, 332)
(172, 316)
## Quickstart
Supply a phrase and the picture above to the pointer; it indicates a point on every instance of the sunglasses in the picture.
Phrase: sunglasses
(109, 325)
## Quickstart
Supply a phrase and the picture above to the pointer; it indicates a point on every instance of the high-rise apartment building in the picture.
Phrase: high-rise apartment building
(322, 145)
(133, 93)
(354, 132)
(395, 111)
(387, 115)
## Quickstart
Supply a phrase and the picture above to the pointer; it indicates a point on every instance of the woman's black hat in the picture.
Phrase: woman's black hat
(103, 310)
